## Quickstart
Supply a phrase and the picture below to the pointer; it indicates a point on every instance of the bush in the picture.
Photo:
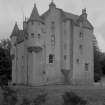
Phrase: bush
(39, 100)
(9, 96)
(71, 98)
(26, 101)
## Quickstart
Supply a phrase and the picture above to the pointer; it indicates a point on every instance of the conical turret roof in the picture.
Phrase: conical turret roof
(15, 30)
(35, 15)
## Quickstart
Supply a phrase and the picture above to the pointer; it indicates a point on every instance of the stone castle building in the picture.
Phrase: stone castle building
(53, 48)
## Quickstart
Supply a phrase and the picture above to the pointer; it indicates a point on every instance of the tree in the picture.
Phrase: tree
(5, 61)
(97, 61)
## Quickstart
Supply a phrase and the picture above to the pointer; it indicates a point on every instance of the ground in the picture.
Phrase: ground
(95, 95)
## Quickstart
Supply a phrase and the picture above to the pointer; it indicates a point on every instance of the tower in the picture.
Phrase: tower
(35, 46)
(14, 52)
(14, 34)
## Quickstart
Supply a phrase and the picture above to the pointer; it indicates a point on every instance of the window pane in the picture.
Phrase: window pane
(51, 58)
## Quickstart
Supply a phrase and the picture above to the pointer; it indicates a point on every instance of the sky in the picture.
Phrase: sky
(12, 11)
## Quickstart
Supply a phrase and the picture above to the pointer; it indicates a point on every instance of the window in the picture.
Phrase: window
(32, 35)
(81, 49)
(52, 37)
(65, 57)
(51, 58)
(52, 40)
(77, 60)
(32, 23)
(38, 36)
(81, 35)
(52, 26)
(86, 66)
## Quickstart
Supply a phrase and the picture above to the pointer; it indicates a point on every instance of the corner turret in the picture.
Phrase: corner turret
(52, 5)
(34, 24)
(35, 15)
(14, 33)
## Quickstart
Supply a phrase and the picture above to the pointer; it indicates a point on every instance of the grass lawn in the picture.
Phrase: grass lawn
(95, 95)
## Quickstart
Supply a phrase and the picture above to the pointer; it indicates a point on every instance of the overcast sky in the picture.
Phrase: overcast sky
(14, 10)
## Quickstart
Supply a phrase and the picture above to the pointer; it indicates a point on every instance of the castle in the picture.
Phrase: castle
(53, 48)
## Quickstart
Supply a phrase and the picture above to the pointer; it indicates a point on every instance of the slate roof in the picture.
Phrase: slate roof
(35, 17)
(20, 36)
(15, 30)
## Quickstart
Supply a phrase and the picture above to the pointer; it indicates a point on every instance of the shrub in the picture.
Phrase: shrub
(40, 99)
(70, 98)
(9, 96)
(26, 101)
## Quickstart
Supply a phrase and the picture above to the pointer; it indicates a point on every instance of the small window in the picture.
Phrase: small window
(65, 57)
(32, 35)
(52, 26)
(86, 66)
(81, 35)
(38, 36)
(77, 60)
(53, 37)
(51, 58)
(52, 40)
(81, 49)
(32, 23)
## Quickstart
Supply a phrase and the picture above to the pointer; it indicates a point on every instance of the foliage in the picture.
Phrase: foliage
(70, 98)
(5, 44)
(9, 96)
(26, 101)
(5, 62)
(103, 64)
(39, 100)
(97, 61)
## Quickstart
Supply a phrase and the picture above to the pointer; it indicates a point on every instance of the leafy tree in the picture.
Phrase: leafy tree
(71, 98)
(103, 63)
(5, 61)
(97, 61)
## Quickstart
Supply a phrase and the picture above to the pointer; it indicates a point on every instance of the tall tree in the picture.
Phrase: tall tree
(5, 61)
(97, 61)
